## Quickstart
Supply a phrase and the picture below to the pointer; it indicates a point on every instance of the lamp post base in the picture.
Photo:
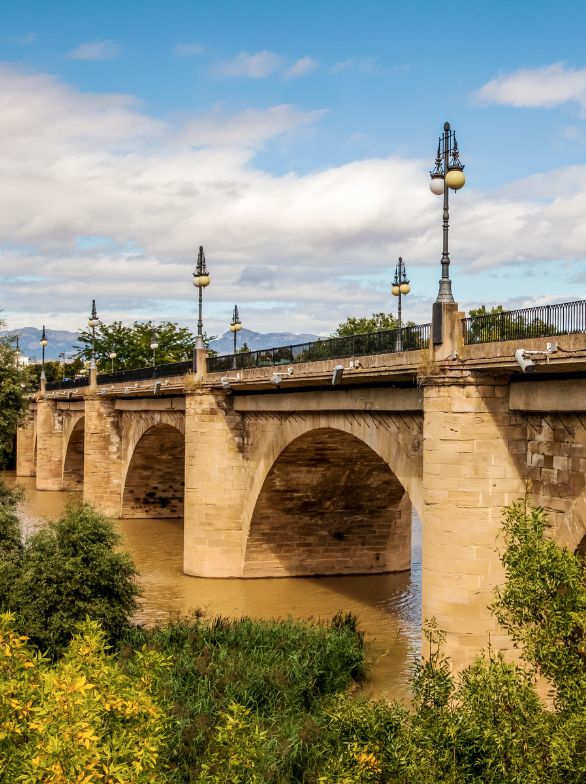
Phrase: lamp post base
(445, 291)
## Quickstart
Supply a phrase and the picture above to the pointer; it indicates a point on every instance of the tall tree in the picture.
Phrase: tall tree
(358, 326)
(13, 383)
(132, 344)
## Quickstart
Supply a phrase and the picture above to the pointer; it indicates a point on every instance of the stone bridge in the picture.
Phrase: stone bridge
(310, 478)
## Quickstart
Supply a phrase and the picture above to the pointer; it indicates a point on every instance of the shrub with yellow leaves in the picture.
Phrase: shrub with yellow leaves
(82, 720)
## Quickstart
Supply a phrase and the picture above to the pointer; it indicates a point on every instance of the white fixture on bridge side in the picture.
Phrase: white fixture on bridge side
(227, 380)
(523, 356)
(339, 370)
(276, 378)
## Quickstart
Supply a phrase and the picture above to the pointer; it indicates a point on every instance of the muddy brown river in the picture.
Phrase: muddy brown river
(388, 606)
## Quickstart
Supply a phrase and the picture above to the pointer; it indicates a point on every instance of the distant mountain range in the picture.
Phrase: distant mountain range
(62, 341)
(257, 340)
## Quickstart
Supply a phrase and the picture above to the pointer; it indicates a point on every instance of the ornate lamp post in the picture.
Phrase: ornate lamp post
(93, 322)
(447, 173)
(62, 362)
(113, 356)
(399, 289)
(201, 279)
(235, 327)
(43, 342)
(154, 346)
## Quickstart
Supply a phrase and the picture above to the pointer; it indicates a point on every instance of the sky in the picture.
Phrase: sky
(293, 140)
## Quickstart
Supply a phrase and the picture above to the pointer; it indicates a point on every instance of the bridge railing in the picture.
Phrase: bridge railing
(387, 341)
(541, 321)
(144, 374)
(70, 383)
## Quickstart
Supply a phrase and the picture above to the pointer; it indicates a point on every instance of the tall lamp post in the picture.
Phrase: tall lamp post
(43, 342)
(201, 279)
(447, 173)
(62, 361)
(113, 356)
(235, 325)
(154, 346)
(93, 322)
(399, 289)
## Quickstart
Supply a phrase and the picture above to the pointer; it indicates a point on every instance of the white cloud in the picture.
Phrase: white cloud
(544, 87)
(188, 49)
(247, 129)
(96, 50)
(362, 65)
(102, 200)
(25, 40)
(301, 67)
(256, 65)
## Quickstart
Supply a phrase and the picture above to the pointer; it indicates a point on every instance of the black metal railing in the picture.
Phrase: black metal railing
(384, 342)
(70, 383)
(144, 374)
(541, 321)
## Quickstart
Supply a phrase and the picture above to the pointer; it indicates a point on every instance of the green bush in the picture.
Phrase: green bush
(68, 571)
(256, 682)
(11, 547)
(542, 603)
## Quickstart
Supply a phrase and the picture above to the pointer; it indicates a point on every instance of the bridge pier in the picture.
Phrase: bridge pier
(49, 446)
(102, 482)
(470, 471)
(26, 446)
(214, 487)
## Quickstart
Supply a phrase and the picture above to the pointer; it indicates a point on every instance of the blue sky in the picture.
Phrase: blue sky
(293, 141)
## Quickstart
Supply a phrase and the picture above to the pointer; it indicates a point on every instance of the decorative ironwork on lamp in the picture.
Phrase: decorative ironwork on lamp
(447, 173)
(201, 279)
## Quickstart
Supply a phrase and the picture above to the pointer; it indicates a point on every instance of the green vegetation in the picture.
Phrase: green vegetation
(244, 692)
(251, 702)
(79, 720)
(358, 326)
(499, 324)
(64, 573)
(132, 344)
(13, 382)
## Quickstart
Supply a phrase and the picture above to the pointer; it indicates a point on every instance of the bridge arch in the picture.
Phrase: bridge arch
(332, 494)
(154, 480)
(73, 453)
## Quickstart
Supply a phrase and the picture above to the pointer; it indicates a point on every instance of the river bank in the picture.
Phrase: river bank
(387, 606)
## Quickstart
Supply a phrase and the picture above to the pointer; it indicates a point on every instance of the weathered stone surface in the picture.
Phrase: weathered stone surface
(329, 505)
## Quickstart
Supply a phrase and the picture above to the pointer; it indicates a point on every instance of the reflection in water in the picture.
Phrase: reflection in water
(388, 606)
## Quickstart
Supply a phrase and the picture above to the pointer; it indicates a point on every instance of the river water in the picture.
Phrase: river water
(388, 606)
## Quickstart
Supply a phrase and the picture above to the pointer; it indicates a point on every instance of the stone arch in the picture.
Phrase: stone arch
(396, 438)
(328, 504)
(154, 480)
(73, 458)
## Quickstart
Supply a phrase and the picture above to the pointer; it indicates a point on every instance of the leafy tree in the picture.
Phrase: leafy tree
(499, 324)
(70, 570)
(11, 547)
(542, 604)
(13, 383)
(54, 371)
(80, 720)
(243, 349)
(374, 323)
(132, 344)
